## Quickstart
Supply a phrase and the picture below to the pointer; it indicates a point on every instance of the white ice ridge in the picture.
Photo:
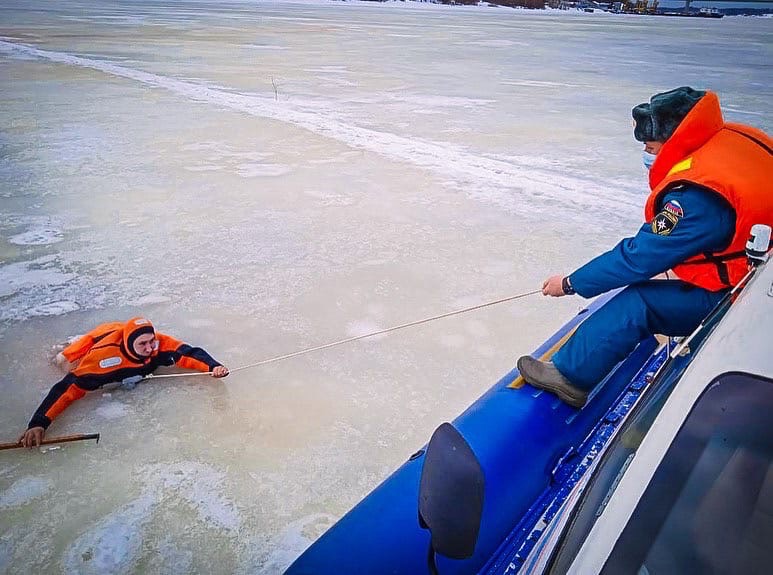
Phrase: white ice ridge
(37, 237)
(492, 178)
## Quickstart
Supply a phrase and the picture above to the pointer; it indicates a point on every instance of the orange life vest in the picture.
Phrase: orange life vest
(733, 160)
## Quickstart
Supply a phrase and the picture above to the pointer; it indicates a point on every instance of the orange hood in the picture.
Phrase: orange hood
(132, 329)
(698, 127)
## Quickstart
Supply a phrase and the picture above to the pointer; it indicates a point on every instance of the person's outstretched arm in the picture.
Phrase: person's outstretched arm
(188, 357)
(706, 224)
(62, 394)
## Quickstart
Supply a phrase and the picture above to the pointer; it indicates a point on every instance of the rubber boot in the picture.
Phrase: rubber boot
(545, 375)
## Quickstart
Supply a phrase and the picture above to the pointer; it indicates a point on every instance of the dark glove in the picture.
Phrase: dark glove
(130, 383)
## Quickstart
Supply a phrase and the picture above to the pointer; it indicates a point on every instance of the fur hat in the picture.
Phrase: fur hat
(657, 120)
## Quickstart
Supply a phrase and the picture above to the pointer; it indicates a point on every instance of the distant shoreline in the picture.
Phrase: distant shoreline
(676, 7)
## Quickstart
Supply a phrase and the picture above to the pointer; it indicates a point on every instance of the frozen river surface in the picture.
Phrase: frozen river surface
(262, 177)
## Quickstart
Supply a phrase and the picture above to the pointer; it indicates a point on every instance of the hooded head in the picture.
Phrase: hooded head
(134, 328)
(657, 120)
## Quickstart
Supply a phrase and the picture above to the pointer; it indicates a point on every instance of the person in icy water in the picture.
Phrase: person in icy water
(709, 183)
(114, 352)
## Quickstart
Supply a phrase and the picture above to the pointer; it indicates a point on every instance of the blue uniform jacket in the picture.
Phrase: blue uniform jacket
(704, 222)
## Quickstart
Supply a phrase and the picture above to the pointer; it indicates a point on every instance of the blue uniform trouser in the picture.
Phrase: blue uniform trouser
(668, 307)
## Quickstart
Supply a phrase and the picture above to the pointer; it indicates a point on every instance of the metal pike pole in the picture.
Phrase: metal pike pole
(53, 440)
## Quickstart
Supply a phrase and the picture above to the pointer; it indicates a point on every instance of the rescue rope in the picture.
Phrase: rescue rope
(355, 338)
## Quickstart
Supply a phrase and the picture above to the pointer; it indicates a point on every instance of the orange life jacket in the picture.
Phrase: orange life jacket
(733, 160)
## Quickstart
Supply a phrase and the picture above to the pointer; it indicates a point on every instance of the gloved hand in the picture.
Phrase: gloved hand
(130, 382)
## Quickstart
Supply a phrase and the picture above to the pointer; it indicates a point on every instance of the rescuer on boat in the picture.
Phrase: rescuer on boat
(114, 352)
(710, 181)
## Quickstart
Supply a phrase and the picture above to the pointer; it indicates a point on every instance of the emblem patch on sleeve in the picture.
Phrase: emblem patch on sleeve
(664, 223)
(675, 208)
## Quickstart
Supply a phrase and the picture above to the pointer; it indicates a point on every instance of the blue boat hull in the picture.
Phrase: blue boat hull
(518, 436)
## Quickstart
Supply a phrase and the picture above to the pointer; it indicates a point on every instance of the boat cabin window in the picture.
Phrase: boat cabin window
(709, 505)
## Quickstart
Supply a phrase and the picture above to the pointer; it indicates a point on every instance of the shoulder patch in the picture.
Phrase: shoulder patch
(664, 223)
(675, 208)
(109, 362)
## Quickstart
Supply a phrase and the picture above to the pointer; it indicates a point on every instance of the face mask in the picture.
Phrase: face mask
(648, 159)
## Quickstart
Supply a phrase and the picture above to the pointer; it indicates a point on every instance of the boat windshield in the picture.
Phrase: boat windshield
(709, 505)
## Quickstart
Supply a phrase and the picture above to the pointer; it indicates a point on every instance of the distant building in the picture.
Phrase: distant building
(533, 4)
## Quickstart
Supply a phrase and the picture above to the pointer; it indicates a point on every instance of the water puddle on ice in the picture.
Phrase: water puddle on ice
(116, 543)
(23, 491)
(5, 554)
(198, 485)
(113, 410)
(112, 545)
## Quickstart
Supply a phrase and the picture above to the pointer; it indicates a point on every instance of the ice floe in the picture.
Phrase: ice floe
(53, 308)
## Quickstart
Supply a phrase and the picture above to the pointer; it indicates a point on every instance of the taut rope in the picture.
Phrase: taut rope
(355, 338)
